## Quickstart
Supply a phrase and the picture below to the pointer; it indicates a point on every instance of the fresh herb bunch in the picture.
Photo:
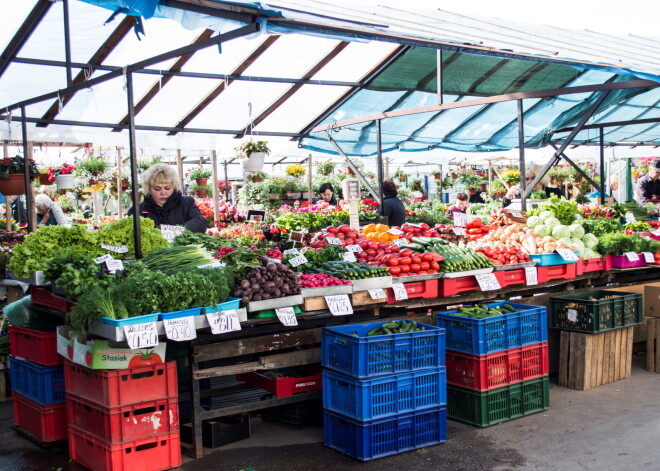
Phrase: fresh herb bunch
(222, 280)
(630, 206)
(179, 257)
(315, 259)
(618, 244)
(601, 225)
(638, 226)
(564, 210)
(244, 259)
(93, 303)
(209, 242)
(121, 233)
(74, 271)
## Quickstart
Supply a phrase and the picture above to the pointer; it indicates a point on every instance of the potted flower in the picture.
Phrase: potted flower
(65, 176)
(401, 176)
(558, 175)
(200, 175)
(295, 170)
(416, 185)
(93, 168)
(256, 177)
(292, 189)
(125, 183)
(511, 176)
(46, 175)
(253, 154)
(12, 176)
(470, 181)
(326, 168)
(201, 191)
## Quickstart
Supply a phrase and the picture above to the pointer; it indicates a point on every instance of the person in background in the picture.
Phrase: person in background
(648, 186)
(392, 207)
(513, 192)
(327, 194)
(87, 211)
(48, 213)
(477, 198)
(460, 206)
(163, 202)
(18, 211)
(530, 174)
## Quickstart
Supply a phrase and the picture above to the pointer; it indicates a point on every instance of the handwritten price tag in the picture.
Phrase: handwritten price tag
(339, 304)
(333, 241)
(299, 260)
(354, 248)
(516, 213)
(631, 256)
(531, 276)
(213, 265)
(141, 335)
(567, 254)
(400, 292)
(292, 252)
(648, 257)
(488, 282)
(572, 315)
(350, 257)
(460, 219)
(223, 322)
(170, 232)
(400, 242)
(459, 231)
(377, 293)
(180, 329)
(395, 231)
(103, 258)
(115, 248)
(287, 316)
(114, 265)
(630, 218)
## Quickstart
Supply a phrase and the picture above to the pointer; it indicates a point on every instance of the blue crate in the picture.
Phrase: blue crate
(361, 356)
(384, 396)
(372, 439)
(526, 326)
(547, 259)
(229, 304)
(42, 384)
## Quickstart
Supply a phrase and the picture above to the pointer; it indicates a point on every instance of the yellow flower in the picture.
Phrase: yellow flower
(295, 170)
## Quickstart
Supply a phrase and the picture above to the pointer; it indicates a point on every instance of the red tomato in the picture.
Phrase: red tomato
(425, 266)
(373, 246)
(332, 230)
(340, 236)
(405, 261)
(414, 267)
(406, 253)
(427, 234)
(394, 248)
(394, 271)
(349, 241)
(422, 272)
(145, 359)
(393, 261)
(383, 245)
(364, 244)
(427, 257)
(424, 226)
(404, 268)
(371, 252)
(352, 234)
(344, 228)
(416, 259)
(435, 266)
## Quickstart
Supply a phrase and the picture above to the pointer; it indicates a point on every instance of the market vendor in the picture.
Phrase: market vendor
(163, 202)
(648, 186)
(392, 207)
(48, 213)
(460, 206)
(327, 194)
(513, 192)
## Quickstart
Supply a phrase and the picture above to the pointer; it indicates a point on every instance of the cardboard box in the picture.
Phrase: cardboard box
(104, 354)
(650, 293)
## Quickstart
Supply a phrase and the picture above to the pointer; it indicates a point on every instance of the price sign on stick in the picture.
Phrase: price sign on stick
(400, 292)
(141, 335)
(531, 276)
(170, 232)
(299, 260)
(287, 316)
(460, 219)
(114, 265)
(395, 231)
(515, 213)
(648, 257)
(292, 252)
(180, 329)
(223, 322)
(333, 241)
(567, 254)
(350, 257)
(354, 248)
(103, 258)
(632, 256)
(488, 282)
(213, 265)
(339, 304)
(459, 231)
(400, 242)
(115, 248)
(377, 293)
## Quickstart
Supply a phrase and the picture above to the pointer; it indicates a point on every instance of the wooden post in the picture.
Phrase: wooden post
(179, 167)
(5, 148)
(120, 208)
(214, 181)
(33, 212)
(309, 178)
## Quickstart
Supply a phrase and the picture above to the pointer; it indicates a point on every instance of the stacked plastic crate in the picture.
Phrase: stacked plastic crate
(497, 367)
(123, 419)
(37, 380)
(383, 394)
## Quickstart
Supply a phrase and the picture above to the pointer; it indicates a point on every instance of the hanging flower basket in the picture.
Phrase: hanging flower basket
(254, 163)
(201, 181)
(65, 182)
(44, 179)
(14, 185)
(202, 193)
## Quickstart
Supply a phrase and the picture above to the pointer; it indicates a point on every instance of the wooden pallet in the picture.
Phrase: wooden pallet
(653, 344)
(590, 360)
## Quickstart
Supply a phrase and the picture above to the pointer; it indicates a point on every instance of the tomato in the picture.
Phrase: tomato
(424, 226)
(371, 252)
(435, 234)
(393, 261)
(394, 271)
(394, 248)
(344, 228)
(437, 257)
(427, 234)
(435, 266)
(414, 267)
(89, 358)
(364, 244)
(425, 266)
(404, 268)
(349, 241)
(427, 257)
(332, 230)
(373, 246)
(422, 272)
(145, 359)
(433, 272)
(416, 259)
(406, 252)
(405, 260)
(352, 234)
(383, 245)
(361, 255)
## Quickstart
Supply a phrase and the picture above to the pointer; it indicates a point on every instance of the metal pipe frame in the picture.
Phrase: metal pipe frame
(521, 154)
(577, 168)
(379, 162)
(601, 135)
(67, 42)
(137, 236)
(26, 171)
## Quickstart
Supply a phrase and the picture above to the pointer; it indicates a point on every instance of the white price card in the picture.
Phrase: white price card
(515, 213)
(115, 248)
(656, 232)
(79, 353)
(333, 240)
(399, 291)
(212, 265)
(377, 293)
(571, 314)
(180, 329)
(632, 256)
(488, 282)
(292, 251)
(400, 242)
(287, 316)
(114, 265)
(170, 232)
(223, 322)
(648, 257)
(531, 276)
(395, 231)
(567, 254)
(354, 248)
(630, 218)
(103, 258)
(141, 335)
(299, 260)
(339, 304)
(460, 219)
(459, 231)
(349, 257)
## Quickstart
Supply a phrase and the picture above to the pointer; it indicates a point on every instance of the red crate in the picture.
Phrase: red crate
(149, 454)
(34, 345)
(112, 388)
(47, 423)
(452, 286)
(417, 289)
(43, 297)
(511, 277)
(495, 370)
(594, 264)
(286, 386)
(124, 423)
(566, 271)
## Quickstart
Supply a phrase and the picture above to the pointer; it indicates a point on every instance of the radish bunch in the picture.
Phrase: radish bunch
(320, 280)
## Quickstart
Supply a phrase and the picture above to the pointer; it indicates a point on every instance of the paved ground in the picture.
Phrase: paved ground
(613, 427)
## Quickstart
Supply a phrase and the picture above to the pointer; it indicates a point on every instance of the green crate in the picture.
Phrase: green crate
(596, 311)
(485, 408)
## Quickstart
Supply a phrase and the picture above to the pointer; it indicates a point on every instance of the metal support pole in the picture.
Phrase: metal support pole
(179, 167)
(120, 190)
(5, 149)
(226, 183)
(521, 155)
(67, 43)
(214, 181)
(439, 69)
(577, 168)
(379, 160)
(309, 179)
(602, 166)
(134, 166)
(26, 170)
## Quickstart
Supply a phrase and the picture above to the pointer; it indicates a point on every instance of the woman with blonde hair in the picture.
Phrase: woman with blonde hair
(163, 202)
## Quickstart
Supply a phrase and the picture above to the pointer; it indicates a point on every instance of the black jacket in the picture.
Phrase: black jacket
(393, 208)
(332, 202)
(178, 210)
(646, 189)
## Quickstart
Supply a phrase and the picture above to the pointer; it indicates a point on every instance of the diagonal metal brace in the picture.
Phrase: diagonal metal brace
(558, 152)
(576, 167)
(355, 169)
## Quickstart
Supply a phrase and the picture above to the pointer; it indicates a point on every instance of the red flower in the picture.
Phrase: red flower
(7, 159)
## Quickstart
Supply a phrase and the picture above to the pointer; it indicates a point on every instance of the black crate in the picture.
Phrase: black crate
(295, 416)
(220, 431)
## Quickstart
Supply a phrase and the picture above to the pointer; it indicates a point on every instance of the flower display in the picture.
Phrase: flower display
(241, 234)
(295, 170)
(65, 169)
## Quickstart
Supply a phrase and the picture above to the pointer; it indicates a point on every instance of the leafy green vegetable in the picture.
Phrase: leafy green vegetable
(601, 225)
(209, 242)
(563, 210)
(179, 257)
(315, 259)
(74, 271)
(618, 244)
(121, 233)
